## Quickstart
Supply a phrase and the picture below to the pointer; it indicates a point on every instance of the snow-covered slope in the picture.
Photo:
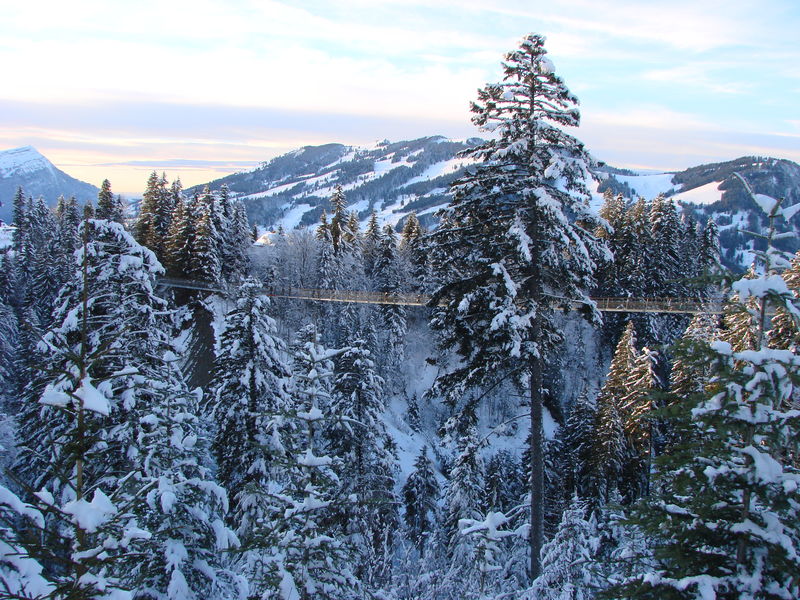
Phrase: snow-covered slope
(716, 191)
(395, 178)
(391, 178)
(28, 168)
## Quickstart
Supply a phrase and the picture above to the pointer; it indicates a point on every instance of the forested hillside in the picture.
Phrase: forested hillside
(176, 427)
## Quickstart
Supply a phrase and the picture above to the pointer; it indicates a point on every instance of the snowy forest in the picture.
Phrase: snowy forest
(505, 440)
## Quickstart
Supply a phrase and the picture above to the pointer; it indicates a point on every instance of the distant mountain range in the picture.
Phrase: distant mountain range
(391, 178)
(26, 167)
(395, 178)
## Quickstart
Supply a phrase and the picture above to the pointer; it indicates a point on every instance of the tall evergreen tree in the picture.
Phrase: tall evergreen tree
(610, 451)
(114, 383)
(420, 497)
(568, 559)
(205, 265)
(249, 395)
(152, 225)
(109, 207)
(389, 281)
(358, 438)
(525, 245)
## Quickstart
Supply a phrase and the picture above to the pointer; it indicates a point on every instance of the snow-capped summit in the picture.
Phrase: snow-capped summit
(27, 167)
(19, 161)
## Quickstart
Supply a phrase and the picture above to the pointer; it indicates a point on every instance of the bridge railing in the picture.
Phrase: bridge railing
(604, 304)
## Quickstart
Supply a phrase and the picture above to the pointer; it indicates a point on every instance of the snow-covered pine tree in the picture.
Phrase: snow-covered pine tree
(724, 524)
(152, 224)
(310, 557)
(463, 499)
(413, 253)
(109, 207)
(614, 232)
(522, 242)
(43, 263)
(179, 241)
(205, 264)
(247, 400)
(637, 408)
(77, 436)
(358, 438)
(610, 450)
(241, 240)
(637, 256)
(9, 349)
(687, 377)
(21, 575)
(504, 482)
(784, 333)
(20, 214)
(725, 520)
(110, 348)
(709, 250)
(578, 433)
(370, 244)
(569, 571)
(338, 225)
(420, 499)
(69, 237)
(389, 281)
(665, 225)
(740, 321)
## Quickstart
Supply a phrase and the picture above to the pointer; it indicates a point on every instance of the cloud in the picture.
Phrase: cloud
(124, 140)
(649, 117)
(700, 75)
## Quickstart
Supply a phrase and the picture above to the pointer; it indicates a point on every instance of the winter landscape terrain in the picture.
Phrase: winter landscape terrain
(181, 421)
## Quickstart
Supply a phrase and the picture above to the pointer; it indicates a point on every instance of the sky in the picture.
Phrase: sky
(202, 88)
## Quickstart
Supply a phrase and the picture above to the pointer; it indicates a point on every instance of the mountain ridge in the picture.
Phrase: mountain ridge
(26, 167)
(394, 178)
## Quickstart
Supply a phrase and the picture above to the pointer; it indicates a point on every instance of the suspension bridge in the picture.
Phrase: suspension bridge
(603, 304)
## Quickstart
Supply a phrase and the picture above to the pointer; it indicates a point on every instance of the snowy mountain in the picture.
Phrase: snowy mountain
(392, 178)
(396, 178)
(716, 191)
(28, 168)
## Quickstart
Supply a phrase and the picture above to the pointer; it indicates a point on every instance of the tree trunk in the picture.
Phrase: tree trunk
(536, 468)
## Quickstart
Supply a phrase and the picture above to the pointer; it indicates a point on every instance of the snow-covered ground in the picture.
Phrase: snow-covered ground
(6, 235)
(648, 186)
(292, 218)
(705, 194)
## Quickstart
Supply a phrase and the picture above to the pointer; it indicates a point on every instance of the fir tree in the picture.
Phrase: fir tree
(205, 265)
(578, 434)
(141, 439)
(20, 214)
(360, 441)
(725, 520)
(784, 333)
(568, 569)
(249, 395)
(108, 206)
(420, 497)
(152, 224)
(610, 450)
(179, 255)
(389, 281)
(637, 407)
(311, 558)
(513, 215)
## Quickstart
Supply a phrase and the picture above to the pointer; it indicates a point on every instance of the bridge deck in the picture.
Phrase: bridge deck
(627, 305)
